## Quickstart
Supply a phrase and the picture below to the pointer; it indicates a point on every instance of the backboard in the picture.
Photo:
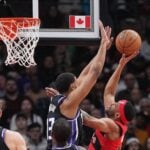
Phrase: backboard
(61, 20)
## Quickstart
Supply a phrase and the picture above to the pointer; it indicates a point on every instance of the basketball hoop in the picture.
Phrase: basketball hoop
(20, 36)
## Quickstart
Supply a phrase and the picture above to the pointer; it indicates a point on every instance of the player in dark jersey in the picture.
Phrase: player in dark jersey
(75, 123)
(10, 140)
(73, 90)
(110, 131)
(61, 132)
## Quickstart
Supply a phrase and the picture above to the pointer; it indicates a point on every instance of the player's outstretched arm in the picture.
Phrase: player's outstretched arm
(74, 99)
(105, 125)
(106, 36)
(111, 86)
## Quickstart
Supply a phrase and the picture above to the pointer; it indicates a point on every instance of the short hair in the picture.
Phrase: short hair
(129, 111)
(29, 99)
(34, 125)
(61, 130)
(63, 81)
(21, 115)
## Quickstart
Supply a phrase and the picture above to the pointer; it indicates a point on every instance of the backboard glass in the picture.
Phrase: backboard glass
(56, 16)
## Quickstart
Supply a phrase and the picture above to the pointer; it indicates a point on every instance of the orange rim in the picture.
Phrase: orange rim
(27, 21)
(21, 22)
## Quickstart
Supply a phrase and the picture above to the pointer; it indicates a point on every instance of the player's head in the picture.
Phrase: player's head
(61, 131)
(65, 82)
(123, 111)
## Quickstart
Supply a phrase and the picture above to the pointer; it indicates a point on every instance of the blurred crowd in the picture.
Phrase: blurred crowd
(22, 89)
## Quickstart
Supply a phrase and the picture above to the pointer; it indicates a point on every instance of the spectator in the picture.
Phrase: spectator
(136, 96)
(36, 139)
(133, 144)
(145, 112)
(62, 58)
(96, 113)
(47, 71)
(13, 98)
(35, 90)
(86, 105)
(147, 144)
(130, 82)
(27, 108)
(141, 132)
(24, 81)
(42, 107)
(136, 128)
(131, 132)
(21, 124)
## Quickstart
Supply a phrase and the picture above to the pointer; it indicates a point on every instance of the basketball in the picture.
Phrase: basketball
(128, 42)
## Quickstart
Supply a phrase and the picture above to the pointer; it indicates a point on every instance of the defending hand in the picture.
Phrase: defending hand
(50, 92)
(106, 34)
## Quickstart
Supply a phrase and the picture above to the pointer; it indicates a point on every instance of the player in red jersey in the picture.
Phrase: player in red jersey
(110, 131)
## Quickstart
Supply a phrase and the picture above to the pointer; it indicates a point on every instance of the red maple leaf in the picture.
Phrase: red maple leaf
(80, 21)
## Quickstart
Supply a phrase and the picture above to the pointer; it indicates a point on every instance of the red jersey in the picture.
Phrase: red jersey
(100, 142)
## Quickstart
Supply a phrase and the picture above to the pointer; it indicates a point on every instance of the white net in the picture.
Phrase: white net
(21, 37)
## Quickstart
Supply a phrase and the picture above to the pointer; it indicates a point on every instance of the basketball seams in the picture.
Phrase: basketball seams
(124, 43)
(119, 45)
(131, 42)
(133, 45)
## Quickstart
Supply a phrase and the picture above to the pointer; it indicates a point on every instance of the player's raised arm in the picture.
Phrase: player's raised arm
(84, 86)
(111, 86)
(106, 36)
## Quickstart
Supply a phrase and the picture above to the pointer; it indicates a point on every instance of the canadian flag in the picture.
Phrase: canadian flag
(79, 22)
